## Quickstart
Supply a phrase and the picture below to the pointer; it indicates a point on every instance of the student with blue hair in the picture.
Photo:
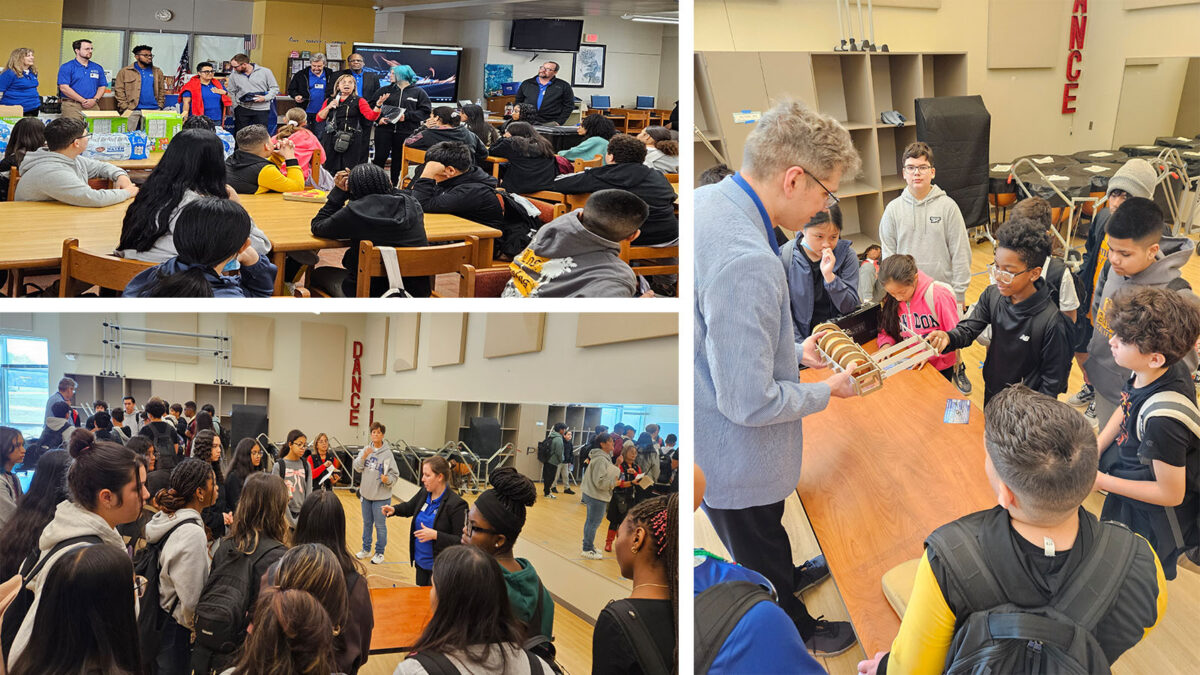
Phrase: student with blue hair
(404, 110)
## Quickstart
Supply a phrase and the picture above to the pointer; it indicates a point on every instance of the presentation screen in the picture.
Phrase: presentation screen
(436, 67)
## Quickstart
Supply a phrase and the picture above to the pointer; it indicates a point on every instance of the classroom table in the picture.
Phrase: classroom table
(400, 617)
(41, 227)
(880, 473)
(147, 164)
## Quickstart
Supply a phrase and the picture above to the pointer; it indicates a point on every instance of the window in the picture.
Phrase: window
(108, 49)
(24, 383)
(218, 49)
(167, 48)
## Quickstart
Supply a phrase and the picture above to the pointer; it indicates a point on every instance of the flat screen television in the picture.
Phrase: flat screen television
(545, 35)
(436, 67)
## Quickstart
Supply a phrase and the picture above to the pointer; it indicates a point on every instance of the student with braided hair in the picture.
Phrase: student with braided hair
(364, 205)
(493, 524)
(183, 558)
(648, 553)
(206, 447)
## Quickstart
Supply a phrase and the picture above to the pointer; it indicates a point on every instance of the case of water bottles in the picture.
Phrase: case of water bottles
(5, 131)
(110, 147)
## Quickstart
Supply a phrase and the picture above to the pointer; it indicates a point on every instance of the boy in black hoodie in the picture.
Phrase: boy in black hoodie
(1031, 342)
(376, 212)
(250, 170)
(625, 171)
(444, 125)
(450, 182)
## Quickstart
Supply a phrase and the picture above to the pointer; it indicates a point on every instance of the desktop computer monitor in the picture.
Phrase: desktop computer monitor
(645, 103)
(601, 102)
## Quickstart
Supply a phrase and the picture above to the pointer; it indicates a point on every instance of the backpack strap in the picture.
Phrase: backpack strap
(1093, 588)
(534, 666)
(959, 550)
(1178, 284)
(391, 265)
(637, 634)
(1169, 404)
(40, 562)
(718, 610)
(535, 623)
(435, 663)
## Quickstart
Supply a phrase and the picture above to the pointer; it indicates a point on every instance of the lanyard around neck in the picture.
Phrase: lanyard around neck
(762, 210)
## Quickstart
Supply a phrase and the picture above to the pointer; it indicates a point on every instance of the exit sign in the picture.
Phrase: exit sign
(591, 37)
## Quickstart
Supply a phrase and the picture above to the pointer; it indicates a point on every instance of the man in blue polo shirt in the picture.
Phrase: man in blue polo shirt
(80, 82)
(307, 88)
(139, 86)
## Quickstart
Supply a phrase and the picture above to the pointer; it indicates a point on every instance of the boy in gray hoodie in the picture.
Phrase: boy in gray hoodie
(1138, 255)
(577, 255)
(379, 474)
(60, 173)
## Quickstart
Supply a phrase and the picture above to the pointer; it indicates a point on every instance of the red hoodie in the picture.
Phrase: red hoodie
(919, 317)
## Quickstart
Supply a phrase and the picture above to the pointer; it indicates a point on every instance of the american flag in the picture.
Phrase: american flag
(184, 69)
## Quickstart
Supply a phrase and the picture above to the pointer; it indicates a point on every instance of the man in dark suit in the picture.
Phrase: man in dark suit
(553, 98)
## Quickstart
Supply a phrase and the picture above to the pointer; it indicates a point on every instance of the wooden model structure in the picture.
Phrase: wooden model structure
(869, 370)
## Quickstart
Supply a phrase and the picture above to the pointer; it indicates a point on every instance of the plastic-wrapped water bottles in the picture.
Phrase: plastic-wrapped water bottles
(5, 130)
(226, 140)
(122, 146)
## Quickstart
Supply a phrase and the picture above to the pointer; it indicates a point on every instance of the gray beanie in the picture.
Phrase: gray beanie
(1137, 178)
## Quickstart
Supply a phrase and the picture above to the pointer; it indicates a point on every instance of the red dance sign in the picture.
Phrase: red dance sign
(356, 383)
(1074, 55)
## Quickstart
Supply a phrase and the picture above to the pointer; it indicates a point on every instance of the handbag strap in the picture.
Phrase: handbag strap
(391, 265)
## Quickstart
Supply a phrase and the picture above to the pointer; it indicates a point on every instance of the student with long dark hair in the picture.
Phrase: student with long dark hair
(27, 135)
(209, 233)
(662, 150)
(438, 515)
(493, 524)
(648, 553)
(475, 120)
(596, 130)
(19, 538)
(248, 458)
(314, 568)
(217, 516)
(293, 635)
(520, 112)
(915, 304)
(193, 166)
(85, 622)
(323, 521)
(106, 486)
(473, 629)
(531, 165)
(292, 468)
(404, 109)
(12, 453)
(183, 559)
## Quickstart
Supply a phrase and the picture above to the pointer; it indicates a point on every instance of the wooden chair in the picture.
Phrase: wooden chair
(581, 164)
(409, 156)
(496, 162)
(421, 261)
(672, 178)
(636, 120)
(13, 176)
(572, 202)
(548, 211)
(314, 169)
(617, 115)
(490, 283)
(94, 269)
(630, 253)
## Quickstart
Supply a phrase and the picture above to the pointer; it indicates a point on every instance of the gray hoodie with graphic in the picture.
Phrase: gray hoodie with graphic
(565, 260)
(931, 231)
(53, 177)
(381, 463)
(1105, 375)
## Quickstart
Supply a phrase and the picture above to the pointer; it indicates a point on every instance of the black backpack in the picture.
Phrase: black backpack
(517, 227)
(164, 447)
(224, 607)
(717, 612)
(545, 448)
(152, 618)
(1000, 637)
(20, 605)
(537, 644)
(437, 664)
(637, 634)
(1053, 275)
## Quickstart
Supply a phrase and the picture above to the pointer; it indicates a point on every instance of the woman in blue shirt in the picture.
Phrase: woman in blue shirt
(438, 515)
(19, 82)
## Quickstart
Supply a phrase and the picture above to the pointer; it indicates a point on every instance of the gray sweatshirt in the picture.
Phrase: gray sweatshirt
(601, 475)
(53, 177)
(164, 248)
(10, 490)
(259, 80)
(184, 562)
(380, 463)
(931, 231)
(565, 260)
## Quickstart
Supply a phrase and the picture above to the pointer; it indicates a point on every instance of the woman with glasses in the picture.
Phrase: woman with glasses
(493, 525)
(822, 272)
(296, 472)
(206, 95)
(438, 516)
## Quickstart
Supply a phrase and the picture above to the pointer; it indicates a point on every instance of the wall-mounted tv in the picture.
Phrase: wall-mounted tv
(545, 35)
(436, 67)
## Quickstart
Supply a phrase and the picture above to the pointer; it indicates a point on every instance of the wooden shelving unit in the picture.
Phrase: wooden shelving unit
(523, 425)
(114, 389)
(855, 88)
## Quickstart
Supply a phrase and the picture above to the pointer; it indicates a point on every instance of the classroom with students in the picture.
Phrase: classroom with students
(946, 336)
(348, 148)
(430, 493)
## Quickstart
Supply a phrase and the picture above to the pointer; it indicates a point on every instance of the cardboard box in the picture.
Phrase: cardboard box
(160, 127)
(105, 122)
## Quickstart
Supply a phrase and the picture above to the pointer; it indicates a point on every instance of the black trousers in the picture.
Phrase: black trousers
(549, 471)
(757, 540)
(423, 575)
(388, 142)
(244, 117)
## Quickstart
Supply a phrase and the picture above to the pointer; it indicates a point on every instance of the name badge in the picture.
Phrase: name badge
(319, 85)
(94, 76)
(411, 98)
(423, 507)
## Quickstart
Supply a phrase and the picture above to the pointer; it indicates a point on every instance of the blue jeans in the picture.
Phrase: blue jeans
(174, 650)
(595, 516)
(372, 515)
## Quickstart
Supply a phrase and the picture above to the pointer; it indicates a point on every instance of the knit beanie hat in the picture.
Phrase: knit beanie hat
(1137, 178)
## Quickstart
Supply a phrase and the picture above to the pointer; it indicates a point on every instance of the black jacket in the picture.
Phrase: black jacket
(471, 196)
(242, 170)
(651, 186)
(298, 85)
(385, 220)
(415, 102)
(1031, 342)
(557, 104)
(425, 138)
(370, 87)
(522, 173)
(448, 522)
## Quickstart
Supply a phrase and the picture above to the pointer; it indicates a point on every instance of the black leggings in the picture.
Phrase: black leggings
(423, 575)
(549, 471)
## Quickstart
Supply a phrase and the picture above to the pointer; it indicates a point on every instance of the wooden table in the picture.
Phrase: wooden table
(880, 473)
(41, 227)
(150, 162)
(400, 616)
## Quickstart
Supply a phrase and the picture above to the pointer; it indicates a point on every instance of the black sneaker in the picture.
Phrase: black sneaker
(809, 574)
(554, 489)
(568, 491)
(1084, 396)
(831, 638)
(961, 381)
(1090, 413)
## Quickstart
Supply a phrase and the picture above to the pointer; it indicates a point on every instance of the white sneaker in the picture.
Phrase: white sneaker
(593, 555)
(377, 559)
(362, 555)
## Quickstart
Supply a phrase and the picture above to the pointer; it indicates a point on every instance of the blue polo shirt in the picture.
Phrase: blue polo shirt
(424, 549)
(316, 90)
(85, 80)
(211, 101)
(358, 83)
(20, 91)
(542, 91)
(147, 100)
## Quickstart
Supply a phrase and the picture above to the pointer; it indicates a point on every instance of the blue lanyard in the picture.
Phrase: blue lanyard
(762, 210)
